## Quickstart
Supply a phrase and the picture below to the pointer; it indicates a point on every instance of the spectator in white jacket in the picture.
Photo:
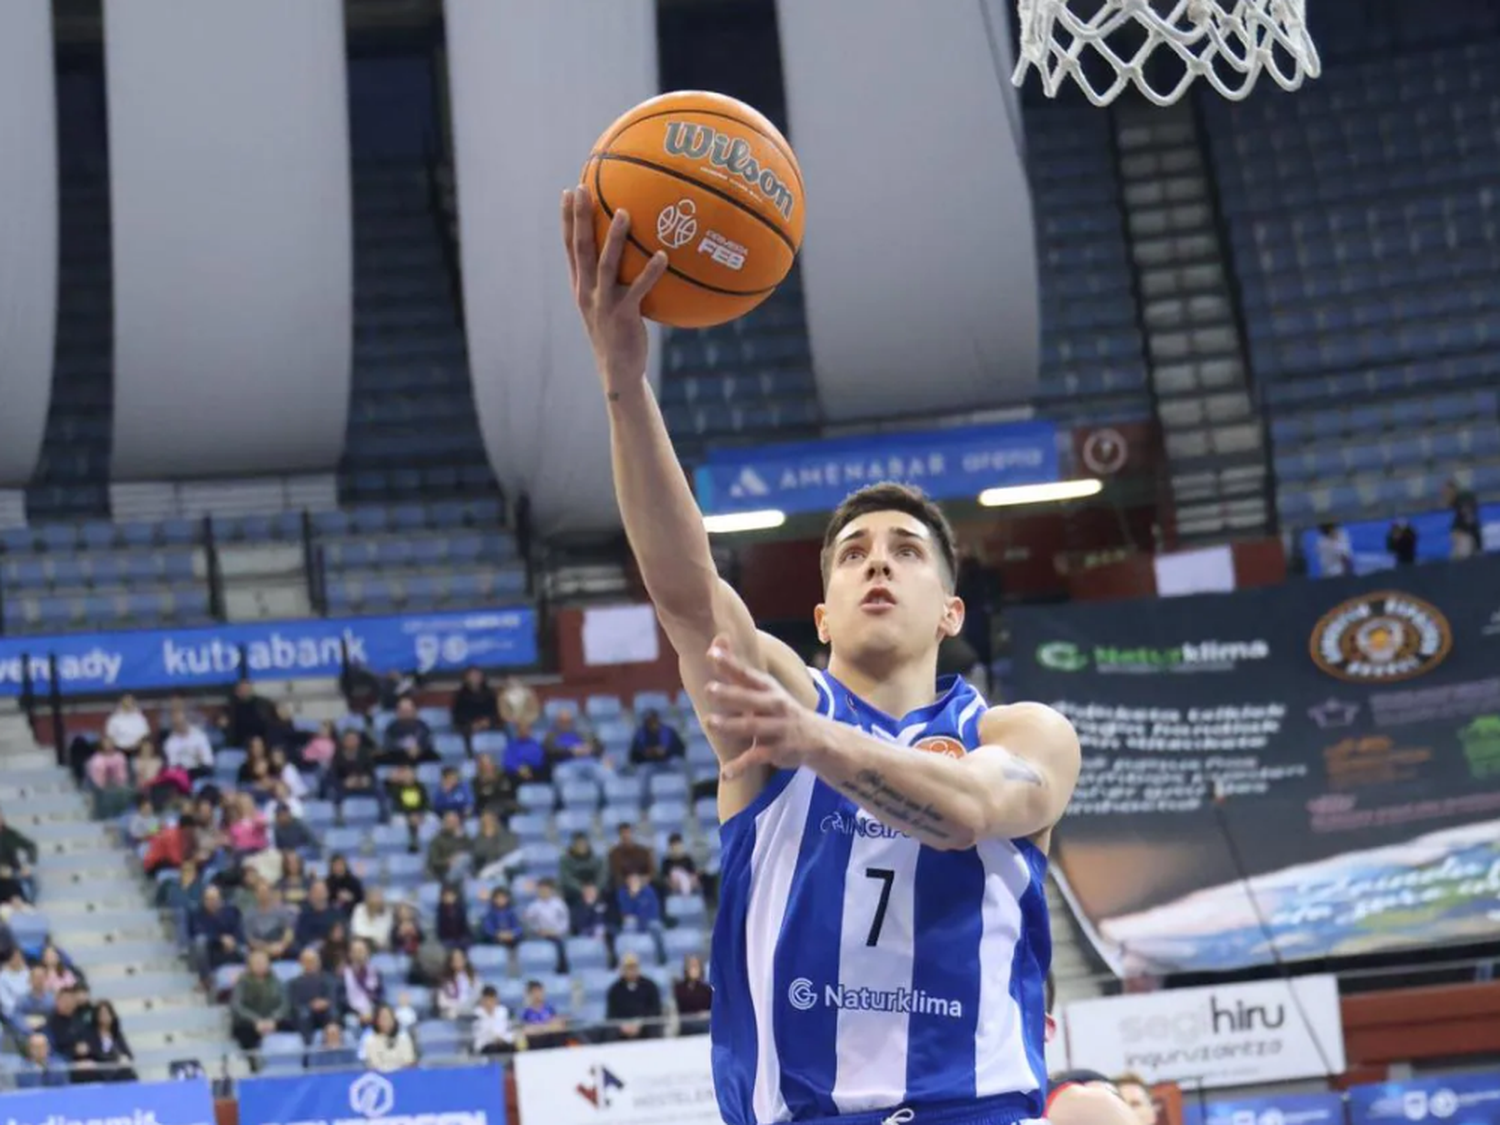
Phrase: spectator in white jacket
(386, 1046)
(126, 727)
(492, 1031)
(373, 920)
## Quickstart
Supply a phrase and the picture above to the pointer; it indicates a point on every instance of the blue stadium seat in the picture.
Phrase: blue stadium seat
(536, 797)
(536, 957)
(642, 945)
(586, 953)
(683, 941)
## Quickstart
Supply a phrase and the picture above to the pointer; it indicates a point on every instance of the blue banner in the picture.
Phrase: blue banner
(815, 476)
(165, 659)
(1367, 539)
(1285, 1109)
(1453, 1099)
(471, 1095)
(161, 1103)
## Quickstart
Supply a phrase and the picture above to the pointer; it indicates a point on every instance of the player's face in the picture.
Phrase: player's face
(888, 592)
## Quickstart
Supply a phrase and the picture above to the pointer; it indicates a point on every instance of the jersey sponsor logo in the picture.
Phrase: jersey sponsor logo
(732, 154)
(852, 824)
(941, 744)
(803, 995)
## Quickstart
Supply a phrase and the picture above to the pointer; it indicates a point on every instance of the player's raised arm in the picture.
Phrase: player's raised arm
(661, 517)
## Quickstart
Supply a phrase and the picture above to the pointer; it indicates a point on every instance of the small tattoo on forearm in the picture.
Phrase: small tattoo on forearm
(870, 789)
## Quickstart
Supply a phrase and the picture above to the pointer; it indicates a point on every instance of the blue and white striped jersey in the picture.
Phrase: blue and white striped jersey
(855, 970)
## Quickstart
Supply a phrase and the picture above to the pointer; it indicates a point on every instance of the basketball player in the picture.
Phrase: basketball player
(882, 936)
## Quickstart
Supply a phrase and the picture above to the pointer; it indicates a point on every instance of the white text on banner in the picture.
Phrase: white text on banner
(661, 1082)
(1233, 1035)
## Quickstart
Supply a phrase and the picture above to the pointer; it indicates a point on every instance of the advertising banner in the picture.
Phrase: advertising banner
(1282, 1109)
(1298, 771)
(658, 1082)
(1227, 1035)
(470, 1095)
(160, 1103)
(164, 659)
(815, 476)
(1367, 539)
(1452, 1099)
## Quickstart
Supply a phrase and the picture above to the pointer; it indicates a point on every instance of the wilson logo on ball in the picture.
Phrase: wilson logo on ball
(697, 142)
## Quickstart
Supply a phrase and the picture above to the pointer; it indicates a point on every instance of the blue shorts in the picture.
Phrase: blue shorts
(1003, 1109)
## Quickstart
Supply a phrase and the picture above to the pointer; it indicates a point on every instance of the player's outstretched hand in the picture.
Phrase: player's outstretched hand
(751, 706)
(611, 312)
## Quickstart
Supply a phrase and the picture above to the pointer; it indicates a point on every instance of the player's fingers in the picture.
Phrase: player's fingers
(757, 755)
(762, 728)
(585, 253)
(614, 249)
(567, 237)
(731, 669)
(647, 279)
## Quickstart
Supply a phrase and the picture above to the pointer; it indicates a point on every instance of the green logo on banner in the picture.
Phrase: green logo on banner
(1062, 656)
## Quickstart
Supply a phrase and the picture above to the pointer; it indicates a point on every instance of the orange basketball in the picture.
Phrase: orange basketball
(714, 184)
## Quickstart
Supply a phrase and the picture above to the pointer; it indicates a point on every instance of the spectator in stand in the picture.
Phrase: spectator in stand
(344, 887)
(146, 822)
(36, 1005)
(256, 767)
(1466, 536)
(693, 996)
(447, 846)
(187, 748)
(67, 1026)
(295, 884)
(628, 857)
(270, 925)
(249, 837)
(385, 1045)
(258, 1005)
(184, 893)
(453, 795)
(580, 864)
(334, 952)
(518, 704)
(408, 739)
(314, 997)
(655, 743)
(1137, 1095)
(41, 1067)
(317, 918)
(633, 1003)
(408, 799)
(17, 857)
(290, 834)
(373, 920)
(492, 1030)
(1335, 555)
(170, 847)
(361, 689)
(497, 850)
(546, 916)
(109, 773)
(458, 991)
(319, 750)
(126, 726)
(286, 773)
(565, 743)
(218, 929)
(15, 980)
(639, 907)
(1401, 542)
(331, 1052)
(407, 936)
(591, 916)
(363, 989)
(59, 976)
(247, 715)
(525, 756)
(452, 921)
(475, 706)
(492, 789)
(260, 786)
(678, 870)
(545, 1027)
(352, 773)
(108, 1051)
(501, 924)
(163, 785)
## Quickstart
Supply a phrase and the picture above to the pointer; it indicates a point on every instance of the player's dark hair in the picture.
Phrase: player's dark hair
(889, 496)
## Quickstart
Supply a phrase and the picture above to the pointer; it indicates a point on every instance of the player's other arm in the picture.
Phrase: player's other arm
(661, 517)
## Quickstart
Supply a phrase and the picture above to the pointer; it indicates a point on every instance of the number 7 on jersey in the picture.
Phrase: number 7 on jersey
(887, 879)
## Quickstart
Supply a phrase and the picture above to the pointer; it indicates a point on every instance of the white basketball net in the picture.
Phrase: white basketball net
(1227, 43)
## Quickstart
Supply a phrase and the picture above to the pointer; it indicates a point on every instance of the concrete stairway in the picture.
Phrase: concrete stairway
(99, 908)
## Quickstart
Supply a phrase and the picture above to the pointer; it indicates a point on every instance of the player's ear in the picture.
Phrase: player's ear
(1051, 1029)
(953, 616)
(820, 622)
